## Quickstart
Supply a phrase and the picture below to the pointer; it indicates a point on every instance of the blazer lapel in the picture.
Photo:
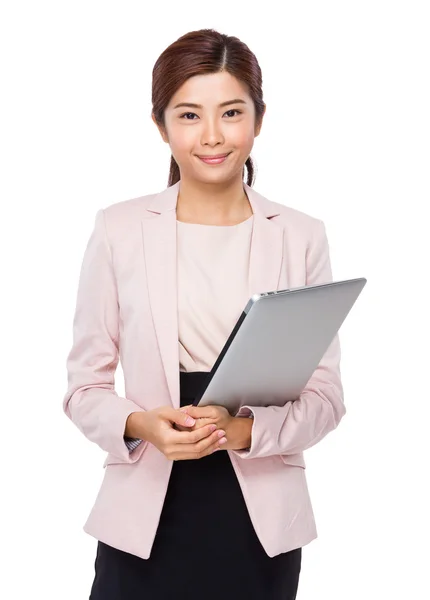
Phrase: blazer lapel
(159, 242)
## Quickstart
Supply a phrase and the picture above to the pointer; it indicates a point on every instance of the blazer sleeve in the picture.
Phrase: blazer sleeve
(302, 423)
(91, 401)
(132, 443)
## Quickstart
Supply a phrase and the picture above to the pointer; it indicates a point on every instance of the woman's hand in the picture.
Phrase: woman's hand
(157, 427)
(205, 415)
(218, 415)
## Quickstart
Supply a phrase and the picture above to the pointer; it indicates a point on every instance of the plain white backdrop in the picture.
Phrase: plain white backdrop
(346, 133)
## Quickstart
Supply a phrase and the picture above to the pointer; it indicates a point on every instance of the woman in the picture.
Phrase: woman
(195, 502)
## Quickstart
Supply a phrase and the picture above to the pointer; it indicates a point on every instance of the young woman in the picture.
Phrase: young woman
(196, 503)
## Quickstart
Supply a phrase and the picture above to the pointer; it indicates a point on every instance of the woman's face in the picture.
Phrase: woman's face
(210, 129)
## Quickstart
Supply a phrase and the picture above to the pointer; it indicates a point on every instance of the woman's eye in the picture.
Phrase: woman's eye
(239, 112)
(233, 110)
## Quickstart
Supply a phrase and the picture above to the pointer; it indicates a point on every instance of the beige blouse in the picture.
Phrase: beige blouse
(213, 267)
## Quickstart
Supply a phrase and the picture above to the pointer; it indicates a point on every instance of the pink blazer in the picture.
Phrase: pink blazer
(126, 309)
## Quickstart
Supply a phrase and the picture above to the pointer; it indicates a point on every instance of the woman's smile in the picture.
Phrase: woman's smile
(214, 161)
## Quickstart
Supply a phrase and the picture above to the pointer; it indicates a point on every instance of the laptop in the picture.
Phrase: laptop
(277, 343)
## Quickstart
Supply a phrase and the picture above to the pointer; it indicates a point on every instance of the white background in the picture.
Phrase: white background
(346, 137)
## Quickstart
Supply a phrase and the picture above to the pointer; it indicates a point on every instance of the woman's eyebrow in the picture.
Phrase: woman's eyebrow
(192, 105)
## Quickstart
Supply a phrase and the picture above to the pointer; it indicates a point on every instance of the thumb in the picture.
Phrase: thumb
(181, 418)
(199, 412)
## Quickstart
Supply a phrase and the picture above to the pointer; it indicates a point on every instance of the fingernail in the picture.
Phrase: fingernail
(222, 440)
(189, 421)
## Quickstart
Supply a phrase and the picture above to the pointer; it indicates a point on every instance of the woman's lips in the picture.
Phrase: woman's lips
(214, 161)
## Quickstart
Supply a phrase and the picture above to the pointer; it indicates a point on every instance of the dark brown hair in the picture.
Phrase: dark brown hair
(199, 53)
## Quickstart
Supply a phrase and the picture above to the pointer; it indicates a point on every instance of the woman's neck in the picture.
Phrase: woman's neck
(212, 204)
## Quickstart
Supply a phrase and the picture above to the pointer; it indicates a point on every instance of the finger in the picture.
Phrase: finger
(203, 448)
(203, 421)
(211, 443)
(189, 438)
(180, 418)
(180, 427)
(199, 412)
(199, 423)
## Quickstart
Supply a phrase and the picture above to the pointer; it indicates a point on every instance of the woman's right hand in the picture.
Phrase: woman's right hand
(157, 427)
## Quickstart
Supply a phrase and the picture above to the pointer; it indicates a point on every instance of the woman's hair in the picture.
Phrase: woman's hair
(200, 53)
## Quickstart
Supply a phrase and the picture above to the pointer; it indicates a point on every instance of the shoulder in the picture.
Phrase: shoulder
(119, 216)
(293, 215)
(127, 208)
(295, 221)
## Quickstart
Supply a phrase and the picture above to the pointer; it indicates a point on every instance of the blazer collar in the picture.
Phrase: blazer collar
(168, 198)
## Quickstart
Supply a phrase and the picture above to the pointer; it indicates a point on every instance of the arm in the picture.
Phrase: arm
(91, 401)
(298, 425)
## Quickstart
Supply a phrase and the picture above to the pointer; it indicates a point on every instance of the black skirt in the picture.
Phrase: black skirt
(205, 547)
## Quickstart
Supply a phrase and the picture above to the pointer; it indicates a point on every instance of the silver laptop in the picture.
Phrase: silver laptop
(277, 343)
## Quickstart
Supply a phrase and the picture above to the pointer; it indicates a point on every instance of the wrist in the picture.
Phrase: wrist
(134, 425)
(240, 432)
